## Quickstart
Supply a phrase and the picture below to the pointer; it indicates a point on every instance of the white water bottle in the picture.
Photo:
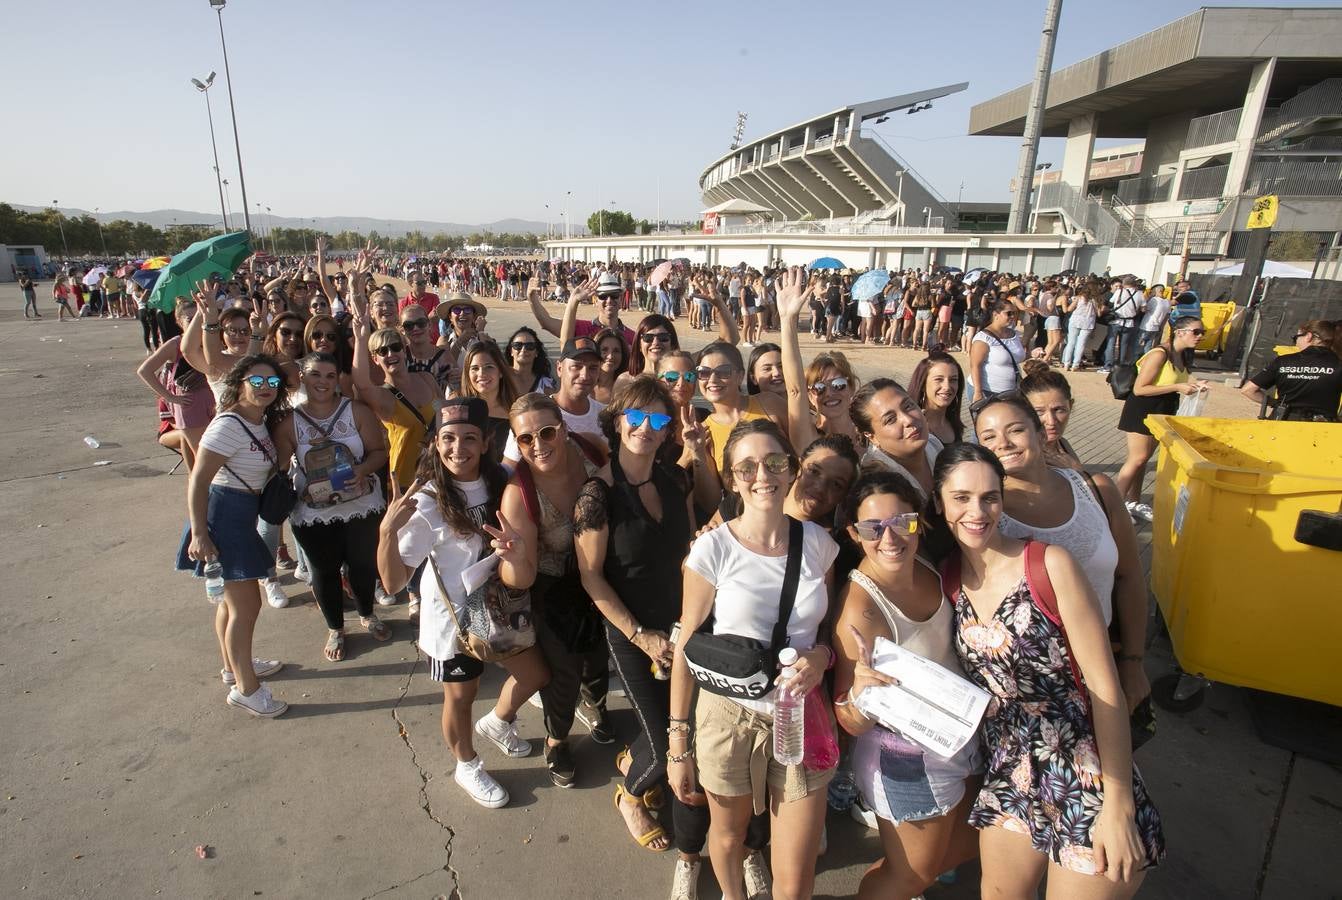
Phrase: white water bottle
(789, 715)
(214, 581)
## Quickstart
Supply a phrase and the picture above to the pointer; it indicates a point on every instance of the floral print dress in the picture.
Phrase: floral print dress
(1043, 777)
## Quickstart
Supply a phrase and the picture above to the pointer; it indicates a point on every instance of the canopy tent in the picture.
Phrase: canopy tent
(1270, 268)
(737, 207)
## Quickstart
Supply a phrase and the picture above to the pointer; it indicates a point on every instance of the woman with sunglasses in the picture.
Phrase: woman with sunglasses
(721, 370)
(1079, 512)
(167, 373)
(938, 386)
(818, 398)
(216, 339)
(438, 527)
(1061, 795)
(530, 371)
(1309, 381)
(655, 335)
(284, 341)
(921, 800)
(996, 352)
(1162, 377)
(236, 458)
(425, 355)
(339, 504)
(688, 445)
(632, 527)
(484, 375)
(735, 573)
(539, 502)
(323, 335)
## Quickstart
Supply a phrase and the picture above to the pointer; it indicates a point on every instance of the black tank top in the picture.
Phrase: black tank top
(643, 556)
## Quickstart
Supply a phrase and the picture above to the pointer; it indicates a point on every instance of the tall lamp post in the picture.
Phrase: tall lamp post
(218, 7)
(568, 195)
(101, 237)
(227, 206)
(60, 223)
(204, 88)
(270, 227)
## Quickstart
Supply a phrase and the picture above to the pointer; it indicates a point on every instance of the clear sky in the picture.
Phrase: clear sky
(477, 111)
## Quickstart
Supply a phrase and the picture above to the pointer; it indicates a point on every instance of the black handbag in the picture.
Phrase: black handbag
(743, 667)
(278, 497)
(1121, 379)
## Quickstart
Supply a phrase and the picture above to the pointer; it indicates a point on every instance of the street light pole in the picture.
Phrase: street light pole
(567, 229)
(270, 226)
(218, 7)
(227, 206)
(204, 88)
(101, 237)
(61, 225)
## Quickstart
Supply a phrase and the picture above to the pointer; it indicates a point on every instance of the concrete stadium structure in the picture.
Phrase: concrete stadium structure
(1229, 103)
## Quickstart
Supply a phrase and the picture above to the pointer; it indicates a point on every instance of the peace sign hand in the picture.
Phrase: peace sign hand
(864, 674)
(692, 431)
(400, 508)
(507, 543)
(256, 319)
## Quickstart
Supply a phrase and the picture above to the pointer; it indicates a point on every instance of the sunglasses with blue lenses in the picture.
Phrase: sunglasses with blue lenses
(636, 418)
(271, 381)
(673, 377)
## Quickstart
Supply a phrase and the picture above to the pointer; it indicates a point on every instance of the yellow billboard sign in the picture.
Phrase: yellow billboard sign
(1263, 213)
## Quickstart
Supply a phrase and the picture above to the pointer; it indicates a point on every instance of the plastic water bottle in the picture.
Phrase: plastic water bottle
(789, 719)
(214, 581)
(92, 442)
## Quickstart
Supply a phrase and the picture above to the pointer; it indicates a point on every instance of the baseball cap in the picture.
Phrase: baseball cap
(465, 411)
(580, 346)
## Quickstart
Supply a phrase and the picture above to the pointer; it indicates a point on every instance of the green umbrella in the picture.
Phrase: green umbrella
(214, 256)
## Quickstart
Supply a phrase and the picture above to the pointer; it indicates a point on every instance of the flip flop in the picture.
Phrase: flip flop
(376, 627)
(651, 835)
(335, 646)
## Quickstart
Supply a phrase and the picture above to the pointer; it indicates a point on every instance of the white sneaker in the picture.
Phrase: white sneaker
(758, 886)
(503, 734)
(1143, 511)
(259, 703)
(535, 700)
(479, 784)
(275, 595)
(262, 668)
(381, 596)
(685, 880)
(302, 574)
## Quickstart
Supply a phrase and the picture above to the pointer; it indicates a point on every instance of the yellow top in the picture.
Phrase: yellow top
(1168, 374)
(405, 439)
(719, 432)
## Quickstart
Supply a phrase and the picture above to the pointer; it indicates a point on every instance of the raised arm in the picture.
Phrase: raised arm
(791, 299)
(327, 287)
(361, 368)
(543, 317)
(579, 296)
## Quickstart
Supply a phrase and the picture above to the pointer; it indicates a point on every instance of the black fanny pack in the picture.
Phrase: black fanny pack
(743, 667)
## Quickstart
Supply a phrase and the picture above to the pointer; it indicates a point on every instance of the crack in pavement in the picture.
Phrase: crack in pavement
(424, 802)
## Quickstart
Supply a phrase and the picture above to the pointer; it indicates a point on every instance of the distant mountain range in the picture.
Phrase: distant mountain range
(162, 218)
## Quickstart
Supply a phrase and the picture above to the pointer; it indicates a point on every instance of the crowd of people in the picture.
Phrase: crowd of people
(607, 511)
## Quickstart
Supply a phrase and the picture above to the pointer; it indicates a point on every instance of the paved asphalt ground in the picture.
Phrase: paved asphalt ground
(120, 756)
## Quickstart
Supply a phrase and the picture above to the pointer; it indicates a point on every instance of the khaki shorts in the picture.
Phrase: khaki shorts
(734, 749)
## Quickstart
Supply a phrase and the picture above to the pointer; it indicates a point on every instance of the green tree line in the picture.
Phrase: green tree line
(122, 238)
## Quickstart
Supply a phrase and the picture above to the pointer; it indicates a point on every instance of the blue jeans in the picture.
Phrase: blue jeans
(1077, 338)
(1145, 341)
(1121, 344)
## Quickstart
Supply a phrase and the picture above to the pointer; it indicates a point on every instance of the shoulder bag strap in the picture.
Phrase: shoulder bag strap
(527, 485)
(1099, 497)
(325, 432)
(408, 405)
(877, 597)
(1045, 600)
(1007, 350)
(791, 575)
(447, 598)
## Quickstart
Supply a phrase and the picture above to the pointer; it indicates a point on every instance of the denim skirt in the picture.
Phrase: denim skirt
(231, 520)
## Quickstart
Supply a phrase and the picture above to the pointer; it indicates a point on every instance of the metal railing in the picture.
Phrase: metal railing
(909, 171)
(1145, 189)
(1084, 213)
(1207, 181)
(1322, 99)
(1218, 128)
(1203, 238)
(1295, 177)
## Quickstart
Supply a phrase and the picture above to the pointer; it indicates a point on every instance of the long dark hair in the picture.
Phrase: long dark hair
(950, 459)
(450, 498)
(760, 349)
(540, 366)
(918, 387)
(637, 362)
(232, 388)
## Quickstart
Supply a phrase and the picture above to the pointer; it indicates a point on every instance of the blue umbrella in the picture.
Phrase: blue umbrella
(825, 262)
(145, 278)
(870, 284)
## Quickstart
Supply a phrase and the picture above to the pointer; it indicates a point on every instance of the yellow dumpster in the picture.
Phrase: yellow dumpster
(1217, 319)
(1245, 514)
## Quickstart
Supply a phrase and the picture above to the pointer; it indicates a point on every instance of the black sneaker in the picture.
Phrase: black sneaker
(598, 723)
(559, 761)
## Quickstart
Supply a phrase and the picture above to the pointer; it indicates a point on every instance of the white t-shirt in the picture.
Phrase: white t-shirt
(1157, 311)
(748, 586)
(227, 437)
(1001, 366)
(427, 531)
(584, 423)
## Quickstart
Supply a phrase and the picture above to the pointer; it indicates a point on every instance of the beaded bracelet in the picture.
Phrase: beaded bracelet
(679, 757)
(678, 728)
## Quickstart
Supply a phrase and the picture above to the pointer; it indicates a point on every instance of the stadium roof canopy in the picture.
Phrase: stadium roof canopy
(1202, 60)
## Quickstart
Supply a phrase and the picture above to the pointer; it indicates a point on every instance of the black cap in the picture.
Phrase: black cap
(465, 411)
(580, 346)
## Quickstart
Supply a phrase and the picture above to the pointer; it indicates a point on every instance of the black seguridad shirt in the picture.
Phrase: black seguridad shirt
(1307, 382)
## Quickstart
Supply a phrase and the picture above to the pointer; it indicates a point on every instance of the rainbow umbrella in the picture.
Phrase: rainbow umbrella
(156, 262)
(219, 255)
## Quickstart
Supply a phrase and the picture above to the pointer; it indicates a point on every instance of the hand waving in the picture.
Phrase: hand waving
(791, 296)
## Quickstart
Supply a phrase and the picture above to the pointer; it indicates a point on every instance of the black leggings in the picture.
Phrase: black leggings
(651, 700)
(147, 323)
(574, 675)
(330, 545)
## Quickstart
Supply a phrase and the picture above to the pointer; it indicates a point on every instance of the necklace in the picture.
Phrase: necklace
(767, 546)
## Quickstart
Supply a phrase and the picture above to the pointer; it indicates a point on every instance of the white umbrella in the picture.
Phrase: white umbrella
(95, 276)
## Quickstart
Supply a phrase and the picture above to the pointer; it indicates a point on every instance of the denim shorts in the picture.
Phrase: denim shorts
(231, 520)
(1053, 323)
(902, 783)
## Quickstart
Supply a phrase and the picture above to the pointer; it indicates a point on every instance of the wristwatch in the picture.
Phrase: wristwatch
(215, 327)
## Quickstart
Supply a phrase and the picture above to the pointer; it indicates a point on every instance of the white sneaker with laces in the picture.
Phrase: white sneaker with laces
(262, 668)
(479, 784)
(685, 880)
(275, 595)
(758, 886)
(258, 703)
(381, 596)
(302, 574)
(503, 734)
